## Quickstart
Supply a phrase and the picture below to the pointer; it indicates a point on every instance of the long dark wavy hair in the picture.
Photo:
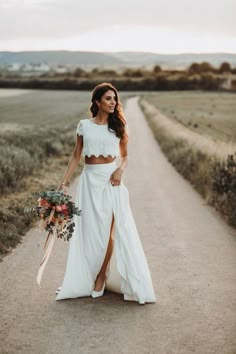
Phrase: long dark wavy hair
(116, 120)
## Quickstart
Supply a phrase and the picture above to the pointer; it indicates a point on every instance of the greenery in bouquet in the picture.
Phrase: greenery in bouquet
(55, 210)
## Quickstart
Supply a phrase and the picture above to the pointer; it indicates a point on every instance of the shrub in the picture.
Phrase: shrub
(107, 72)
(224, 67)
(15, 163)
(201, 68)
(133, 73)
(22, 152)
(78, 72)
(224, 186)
(157, 69)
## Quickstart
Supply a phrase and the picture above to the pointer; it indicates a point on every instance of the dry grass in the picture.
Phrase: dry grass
(14, 223)
(194, 155)
(205, 143)
(211, 114)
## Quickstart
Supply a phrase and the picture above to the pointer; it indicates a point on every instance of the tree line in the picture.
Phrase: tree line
(198, 76)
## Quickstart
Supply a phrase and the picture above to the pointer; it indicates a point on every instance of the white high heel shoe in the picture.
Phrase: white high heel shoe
(98, 293)
(58, 290)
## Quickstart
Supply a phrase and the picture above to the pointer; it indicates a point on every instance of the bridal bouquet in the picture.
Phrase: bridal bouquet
(55, 210)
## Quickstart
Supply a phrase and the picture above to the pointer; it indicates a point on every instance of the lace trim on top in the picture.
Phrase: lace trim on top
(97, 139)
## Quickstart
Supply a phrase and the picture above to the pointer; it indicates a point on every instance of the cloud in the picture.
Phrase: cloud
(132, 38)
(45, 20)
(24, 3)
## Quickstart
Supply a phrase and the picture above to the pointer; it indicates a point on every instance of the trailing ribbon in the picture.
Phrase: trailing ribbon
(50, 241)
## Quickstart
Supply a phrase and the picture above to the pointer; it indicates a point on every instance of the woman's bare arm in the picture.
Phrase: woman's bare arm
(124, 150)
(116, 176)
(74, 160)
(123, 155)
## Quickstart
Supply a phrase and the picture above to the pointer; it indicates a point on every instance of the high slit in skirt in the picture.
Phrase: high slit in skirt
(127, 271)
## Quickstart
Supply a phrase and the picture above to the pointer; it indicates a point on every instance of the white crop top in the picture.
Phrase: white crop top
(97, 139)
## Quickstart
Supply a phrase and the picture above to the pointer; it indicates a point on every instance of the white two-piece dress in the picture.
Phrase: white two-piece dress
(127, 272)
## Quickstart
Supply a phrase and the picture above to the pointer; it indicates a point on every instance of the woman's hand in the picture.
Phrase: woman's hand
(63, 187)
(116, 176)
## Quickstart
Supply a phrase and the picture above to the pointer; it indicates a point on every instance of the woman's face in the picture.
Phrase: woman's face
(108, 102)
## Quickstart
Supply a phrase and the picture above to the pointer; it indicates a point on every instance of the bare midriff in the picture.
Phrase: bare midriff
(100, 159)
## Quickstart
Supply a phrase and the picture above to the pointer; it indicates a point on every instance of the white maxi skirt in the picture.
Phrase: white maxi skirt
(127, 272)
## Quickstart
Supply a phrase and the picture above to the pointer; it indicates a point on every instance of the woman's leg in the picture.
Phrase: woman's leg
(102, 274)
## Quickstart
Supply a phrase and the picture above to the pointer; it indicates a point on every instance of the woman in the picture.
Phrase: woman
(106, 225)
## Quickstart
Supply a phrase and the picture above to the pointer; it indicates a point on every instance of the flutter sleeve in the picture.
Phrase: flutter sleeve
(79, 130)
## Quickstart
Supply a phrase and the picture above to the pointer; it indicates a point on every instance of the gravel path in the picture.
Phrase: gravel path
(192, 258)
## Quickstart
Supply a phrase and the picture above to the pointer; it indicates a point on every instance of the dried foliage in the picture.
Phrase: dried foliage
(224, 187)
(22, 152)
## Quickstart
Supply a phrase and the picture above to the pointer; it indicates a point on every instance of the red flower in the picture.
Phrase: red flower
(44, 203)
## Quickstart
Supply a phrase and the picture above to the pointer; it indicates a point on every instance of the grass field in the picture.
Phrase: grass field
(44, 108)
(197, 132)
(208, 113)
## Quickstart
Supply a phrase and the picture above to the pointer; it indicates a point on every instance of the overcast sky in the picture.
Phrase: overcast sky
(167, 26)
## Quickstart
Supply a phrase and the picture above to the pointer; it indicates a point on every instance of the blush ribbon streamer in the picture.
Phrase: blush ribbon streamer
(48, 250)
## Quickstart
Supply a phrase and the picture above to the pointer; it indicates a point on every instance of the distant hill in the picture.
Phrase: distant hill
(59, 58)
(115, 60)
(175, 60)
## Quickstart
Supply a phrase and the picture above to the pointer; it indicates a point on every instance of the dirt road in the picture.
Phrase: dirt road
(192, 258)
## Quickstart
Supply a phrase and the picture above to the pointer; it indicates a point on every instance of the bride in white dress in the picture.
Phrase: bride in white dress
(105, 249)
